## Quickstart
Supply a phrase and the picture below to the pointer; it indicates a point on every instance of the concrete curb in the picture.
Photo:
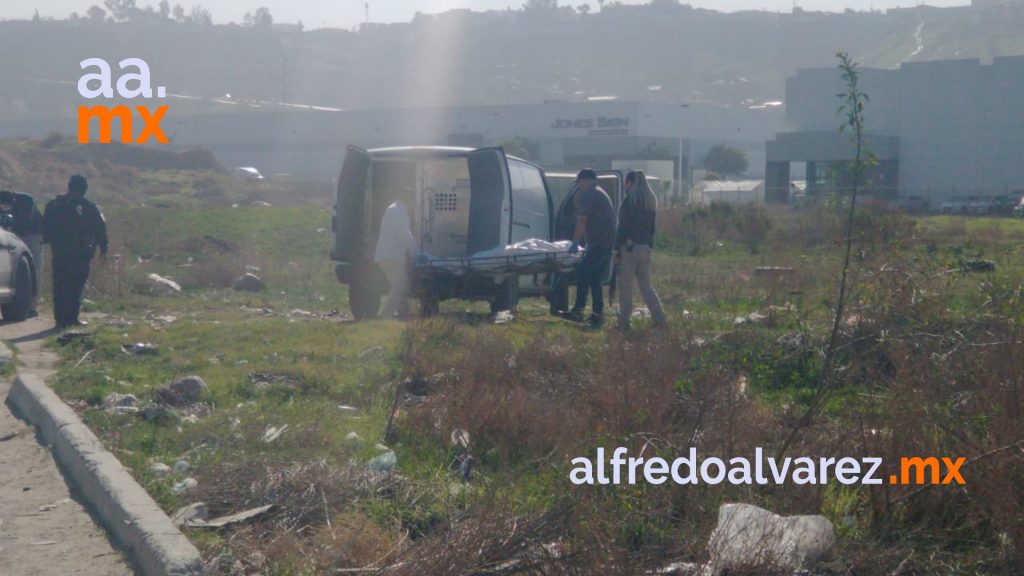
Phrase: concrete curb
(124, 508)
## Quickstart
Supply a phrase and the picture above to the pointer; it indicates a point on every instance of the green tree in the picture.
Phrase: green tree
(262, 18)
(96, 14)
(726, 160)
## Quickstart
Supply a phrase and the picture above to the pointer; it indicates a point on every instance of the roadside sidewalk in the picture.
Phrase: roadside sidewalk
(43, 530)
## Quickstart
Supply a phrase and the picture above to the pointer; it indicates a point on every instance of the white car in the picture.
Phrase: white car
(18, 290)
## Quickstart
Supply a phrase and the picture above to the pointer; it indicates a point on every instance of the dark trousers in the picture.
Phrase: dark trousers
(590, 275)
(559, 295)
(69, 276)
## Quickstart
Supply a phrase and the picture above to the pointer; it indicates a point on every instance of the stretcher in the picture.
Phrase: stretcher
(526, 258)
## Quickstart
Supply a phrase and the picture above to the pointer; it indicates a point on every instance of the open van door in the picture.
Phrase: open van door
(490, 208)
(351, 251)
(349, 223)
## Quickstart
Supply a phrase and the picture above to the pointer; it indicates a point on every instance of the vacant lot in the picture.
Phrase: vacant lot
(443, 446)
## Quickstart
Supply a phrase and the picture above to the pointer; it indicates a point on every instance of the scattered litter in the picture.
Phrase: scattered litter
(181, 466)
(165, 284)
(242, 362)
(753, 318)
(139, 349)
(183, 391)
(166, 319)
(321, 230)
(43, 543)
(773, 271)
(273, 433)
(80, 360)
(191, 419)
(159, 469)
(353, 437)
(460, 438)
(253, 269)
(641, 313)
(191, 515)
(115, 399)
(154, 412)
(385, 463)
(237, 518)
(503, 317)
(347, 409)
(120, 410)
(265, 379)
(186, 484)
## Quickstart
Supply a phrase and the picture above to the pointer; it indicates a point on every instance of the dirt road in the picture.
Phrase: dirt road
(43, 530)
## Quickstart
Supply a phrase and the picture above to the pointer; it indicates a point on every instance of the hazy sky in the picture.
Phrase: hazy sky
(348, 13)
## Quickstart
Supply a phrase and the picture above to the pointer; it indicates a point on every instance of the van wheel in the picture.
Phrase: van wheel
(363, 300)
(24, 295)
(507, 296)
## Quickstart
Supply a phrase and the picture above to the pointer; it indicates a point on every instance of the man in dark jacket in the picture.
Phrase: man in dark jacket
(595, 226)
(73, 227)
(26, 223)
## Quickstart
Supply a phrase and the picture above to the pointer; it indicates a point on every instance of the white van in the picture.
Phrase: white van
(468, 201)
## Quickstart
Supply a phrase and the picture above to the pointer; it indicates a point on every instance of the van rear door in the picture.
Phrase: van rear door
(490, 208)
(351, 209)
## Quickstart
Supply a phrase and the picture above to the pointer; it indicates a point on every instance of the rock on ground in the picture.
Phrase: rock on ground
(183, 391)
(751, 538)
(248, 282)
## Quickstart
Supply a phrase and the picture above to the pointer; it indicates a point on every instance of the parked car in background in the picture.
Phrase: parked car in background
(967, 205)
(18, 290)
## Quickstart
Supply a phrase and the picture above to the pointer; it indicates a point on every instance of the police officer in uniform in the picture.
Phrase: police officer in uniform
(73, 227)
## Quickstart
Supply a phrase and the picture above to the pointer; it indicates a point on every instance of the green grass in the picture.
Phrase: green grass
(224, 337)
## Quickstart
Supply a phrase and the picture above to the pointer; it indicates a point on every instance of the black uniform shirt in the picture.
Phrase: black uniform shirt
(74, 227)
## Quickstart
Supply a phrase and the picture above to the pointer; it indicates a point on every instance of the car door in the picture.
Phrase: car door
(490, 203)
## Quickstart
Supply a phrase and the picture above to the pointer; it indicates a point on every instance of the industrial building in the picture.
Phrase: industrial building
(938, 130)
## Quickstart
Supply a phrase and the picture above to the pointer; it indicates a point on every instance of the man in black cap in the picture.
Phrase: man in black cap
(73, 227)
(27, 224)
(595, 227)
